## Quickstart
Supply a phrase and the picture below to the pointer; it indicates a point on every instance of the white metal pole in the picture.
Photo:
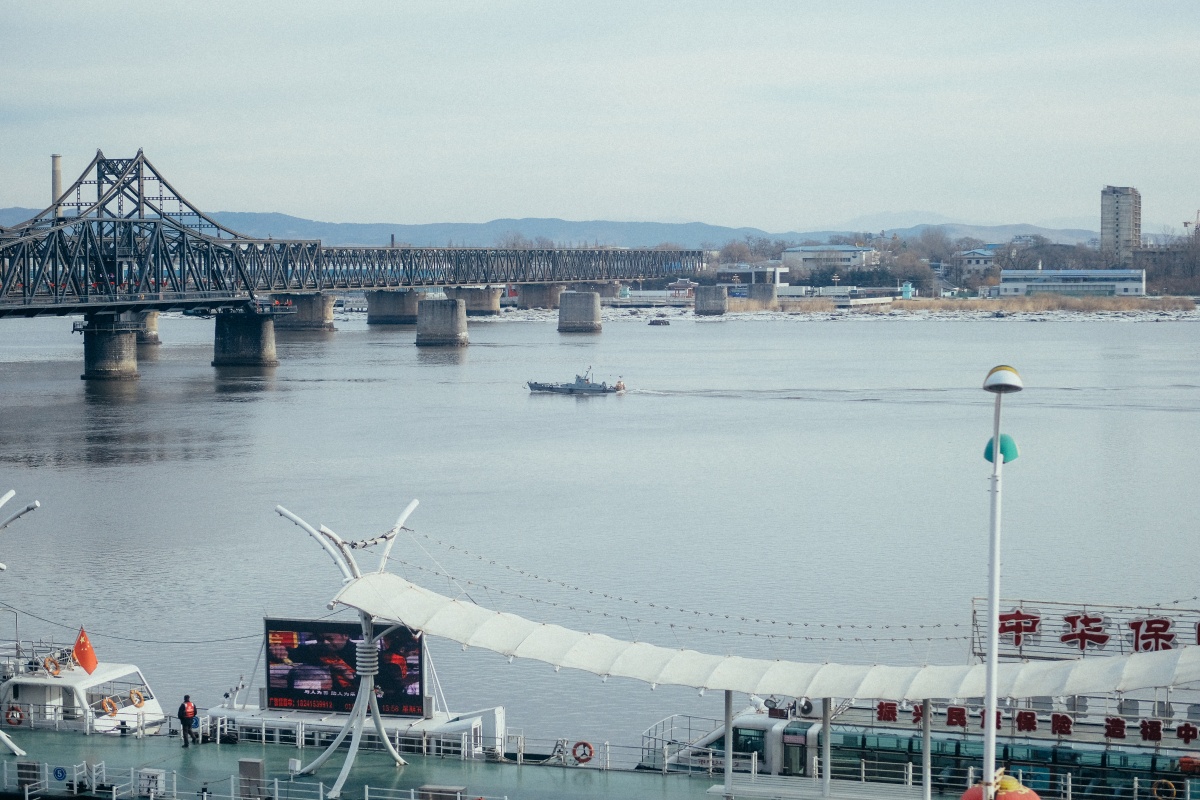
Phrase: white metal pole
(728, 744)
(989, 724)
(926, 744)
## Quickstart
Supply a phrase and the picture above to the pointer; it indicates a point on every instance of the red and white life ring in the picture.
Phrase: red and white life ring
(582, 752)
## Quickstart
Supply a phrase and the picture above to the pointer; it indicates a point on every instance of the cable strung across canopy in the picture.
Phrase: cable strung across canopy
(392, 599)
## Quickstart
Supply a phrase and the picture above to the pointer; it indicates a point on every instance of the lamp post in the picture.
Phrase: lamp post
(1000, 381)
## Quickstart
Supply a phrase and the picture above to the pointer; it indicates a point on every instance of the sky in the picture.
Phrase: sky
(777, 115)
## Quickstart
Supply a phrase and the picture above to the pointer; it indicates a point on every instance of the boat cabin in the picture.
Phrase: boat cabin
(45, 689)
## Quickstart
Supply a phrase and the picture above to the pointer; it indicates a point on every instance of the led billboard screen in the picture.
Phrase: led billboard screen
(311, 667)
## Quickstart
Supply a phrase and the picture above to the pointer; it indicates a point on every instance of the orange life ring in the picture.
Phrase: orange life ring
(109, 705)
(15, 716)
(137, 698)
(1168, 790)
(582, 752)
(51, 665)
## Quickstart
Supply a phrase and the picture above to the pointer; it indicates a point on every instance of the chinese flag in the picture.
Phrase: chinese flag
(83, 653)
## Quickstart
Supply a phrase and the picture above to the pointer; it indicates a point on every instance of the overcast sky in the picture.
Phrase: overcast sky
(777, 115)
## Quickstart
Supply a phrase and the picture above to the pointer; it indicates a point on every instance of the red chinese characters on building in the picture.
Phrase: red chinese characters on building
(956, 717)
(1084, 631)
(1151, 730)
(1114, 728)
(1018, 624)
(1152, 634)
(918, 713)
(1061, 724)
(983, 719)
(1026, 721)
(1187, 731)
(886, 712)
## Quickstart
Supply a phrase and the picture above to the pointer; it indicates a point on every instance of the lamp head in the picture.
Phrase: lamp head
(1003, 380)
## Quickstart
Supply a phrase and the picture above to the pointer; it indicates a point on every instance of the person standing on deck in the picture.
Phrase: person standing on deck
(187, 715)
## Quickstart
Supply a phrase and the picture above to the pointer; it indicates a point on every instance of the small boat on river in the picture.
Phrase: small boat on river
(583, 384)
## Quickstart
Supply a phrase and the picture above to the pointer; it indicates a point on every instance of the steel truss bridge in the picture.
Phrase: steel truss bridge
(121, 238)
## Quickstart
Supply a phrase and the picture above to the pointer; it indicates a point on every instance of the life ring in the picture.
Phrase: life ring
(582, 752)
(15, 716)
(109, 705)
(137, 698)
(51, 665)
(1168, 789)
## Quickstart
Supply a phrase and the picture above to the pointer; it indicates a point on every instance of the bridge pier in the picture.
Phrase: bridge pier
(579, 312)
(711, 301)
(763, 297)
(147, 335)
(391, 307)
(442, 323)
(244, 340)
(482, 301)
(539, 295)
(314, 312)
(109, 347)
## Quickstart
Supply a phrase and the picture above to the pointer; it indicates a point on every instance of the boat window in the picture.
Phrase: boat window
(796, 729)
(118, 689)
(971, 749)
(749, 740)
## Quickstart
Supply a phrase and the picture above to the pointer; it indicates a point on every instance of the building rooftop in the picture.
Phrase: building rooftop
(829, 248)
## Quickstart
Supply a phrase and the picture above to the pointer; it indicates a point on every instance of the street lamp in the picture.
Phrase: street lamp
(1000, 381)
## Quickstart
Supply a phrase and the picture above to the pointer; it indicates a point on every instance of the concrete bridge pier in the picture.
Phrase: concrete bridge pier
(244, 340)
(482, 301)
(389, 307)
(579, 312)
(539, 295)
(442, 323)
(314, 312)
(711, 301)
(147, 335)
(763, 297)
(109, 347)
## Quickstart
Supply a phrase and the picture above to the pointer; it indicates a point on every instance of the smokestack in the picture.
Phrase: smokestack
(55, 181)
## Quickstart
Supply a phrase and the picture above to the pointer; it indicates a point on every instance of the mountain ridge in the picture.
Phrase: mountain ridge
(571, 232)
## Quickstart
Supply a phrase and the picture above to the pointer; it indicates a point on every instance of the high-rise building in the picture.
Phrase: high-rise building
(1120, 221)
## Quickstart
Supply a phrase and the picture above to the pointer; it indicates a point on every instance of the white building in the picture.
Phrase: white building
(1121, 221)
(1109, 282)
(807, 258)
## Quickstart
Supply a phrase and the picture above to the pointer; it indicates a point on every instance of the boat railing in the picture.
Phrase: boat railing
(27, 657)
(301, 734)
(55, 716)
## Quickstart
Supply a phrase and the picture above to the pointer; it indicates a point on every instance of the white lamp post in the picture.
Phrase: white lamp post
(1000, 381)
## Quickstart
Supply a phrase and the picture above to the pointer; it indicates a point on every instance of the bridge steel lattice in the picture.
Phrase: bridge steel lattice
(121, 238)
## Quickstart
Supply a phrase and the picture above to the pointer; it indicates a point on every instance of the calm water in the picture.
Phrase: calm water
(803, 471)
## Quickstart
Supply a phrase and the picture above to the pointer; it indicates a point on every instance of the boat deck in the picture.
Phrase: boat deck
(210, 766)
(205, 772)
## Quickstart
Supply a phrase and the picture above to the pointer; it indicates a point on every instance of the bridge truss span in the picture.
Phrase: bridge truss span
(122, 238)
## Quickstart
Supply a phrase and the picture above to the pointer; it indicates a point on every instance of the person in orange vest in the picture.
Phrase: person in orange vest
(187, 715)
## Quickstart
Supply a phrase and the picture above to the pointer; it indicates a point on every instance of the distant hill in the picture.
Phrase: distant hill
(585, 233)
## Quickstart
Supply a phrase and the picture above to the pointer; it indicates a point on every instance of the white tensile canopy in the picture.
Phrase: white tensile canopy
(391, 599)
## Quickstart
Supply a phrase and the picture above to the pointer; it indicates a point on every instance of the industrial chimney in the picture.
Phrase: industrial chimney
(55, 181)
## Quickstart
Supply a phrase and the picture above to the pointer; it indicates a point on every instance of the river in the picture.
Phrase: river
(764, 476)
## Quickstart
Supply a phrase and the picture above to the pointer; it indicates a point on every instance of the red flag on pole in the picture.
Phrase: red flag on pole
(83, 653)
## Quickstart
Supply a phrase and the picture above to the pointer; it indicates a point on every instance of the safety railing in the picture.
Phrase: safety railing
(1049, 785)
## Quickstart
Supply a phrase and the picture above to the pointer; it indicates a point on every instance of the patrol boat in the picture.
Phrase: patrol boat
(583, 384)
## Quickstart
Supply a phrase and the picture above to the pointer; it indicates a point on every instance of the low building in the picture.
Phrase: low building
(808, 258)
(974, 262)
(1104, 282)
